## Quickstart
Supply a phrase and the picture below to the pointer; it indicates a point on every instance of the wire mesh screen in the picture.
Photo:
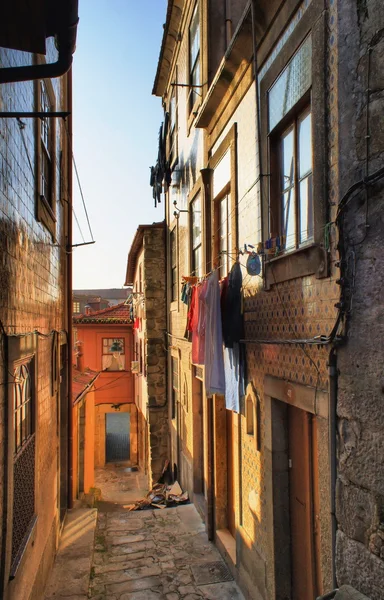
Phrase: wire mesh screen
(23, 497)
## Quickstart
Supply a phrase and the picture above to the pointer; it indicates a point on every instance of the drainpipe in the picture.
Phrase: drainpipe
(65, 30)
(333, 377)
(211, 472)
(6, 391)
(228, 22)
(69, 292)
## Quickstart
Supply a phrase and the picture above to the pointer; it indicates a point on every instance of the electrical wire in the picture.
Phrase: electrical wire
(78, 179)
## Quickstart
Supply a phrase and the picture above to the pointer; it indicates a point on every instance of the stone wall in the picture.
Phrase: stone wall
(156, 356)
(360, 478)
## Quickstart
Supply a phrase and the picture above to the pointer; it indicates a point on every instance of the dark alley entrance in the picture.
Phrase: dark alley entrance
(117, 439)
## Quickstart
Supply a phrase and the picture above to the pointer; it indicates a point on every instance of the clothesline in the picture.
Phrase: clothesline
(215, 327)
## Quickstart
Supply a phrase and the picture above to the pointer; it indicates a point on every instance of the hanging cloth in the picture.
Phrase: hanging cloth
(214, 359)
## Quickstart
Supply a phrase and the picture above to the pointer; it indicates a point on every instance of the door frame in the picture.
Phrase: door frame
(315, 402)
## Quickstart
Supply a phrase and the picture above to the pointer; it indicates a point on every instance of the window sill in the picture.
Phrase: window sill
(308, 260)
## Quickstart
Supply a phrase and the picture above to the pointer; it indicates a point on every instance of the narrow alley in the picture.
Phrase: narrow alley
(159, 554)
(191, 300)
(156, 555)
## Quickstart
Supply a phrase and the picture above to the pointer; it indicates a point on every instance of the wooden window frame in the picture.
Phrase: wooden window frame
(194, 102)
(173, 128)
(109, 353)
(46, 207)
(312, 258)
(173, 265)
(193, 270)
(290, 123)
(227, 145)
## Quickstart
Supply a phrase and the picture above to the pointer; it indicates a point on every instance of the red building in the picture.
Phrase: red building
(104, 344)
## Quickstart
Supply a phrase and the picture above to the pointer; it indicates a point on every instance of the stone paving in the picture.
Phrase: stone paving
(157, 555)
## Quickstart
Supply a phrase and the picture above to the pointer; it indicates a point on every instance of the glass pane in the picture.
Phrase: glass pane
(24, 431)
(287, 149)
(18, 429)
(305, 146)
(196, 222)
(198, 262)
(291, 85)
(222, 174)
(194, 37)
(306, 209)
(289, 228)
(229, 229)
(195, 81)
(172, 113)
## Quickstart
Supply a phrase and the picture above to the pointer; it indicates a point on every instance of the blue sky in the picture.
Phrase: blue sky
(116, 122)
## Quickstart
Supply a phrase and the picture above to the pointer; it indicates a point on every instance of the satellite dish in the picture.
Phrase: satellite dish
(253, 264)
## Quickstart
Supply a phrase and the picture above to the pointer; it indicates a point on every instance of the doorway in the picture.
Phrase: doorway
(295, 502)
(303, 478)
(117, 438)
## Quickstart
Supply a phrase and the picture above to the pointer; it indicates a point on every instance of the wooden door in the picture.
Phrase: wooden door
(231, 520)
(301, 504)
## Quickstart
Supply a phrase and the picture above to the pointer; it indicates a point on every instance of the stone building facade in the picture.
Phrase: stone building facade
(35, 293)
(267, 162)
(146, 273)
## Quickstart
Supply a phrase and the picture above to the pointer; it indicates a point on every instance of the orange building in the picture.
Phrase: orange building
(83, 431)
(104, 345)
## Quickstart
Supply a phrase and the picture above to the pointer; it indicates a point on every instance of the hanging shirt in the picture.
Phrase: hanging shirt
(201, 323)
(214, 360)
(231, 305)
(232, 378)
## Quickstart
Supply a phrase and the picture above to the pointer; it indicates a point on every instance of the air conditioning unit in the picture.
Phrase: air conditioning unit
(135, 366)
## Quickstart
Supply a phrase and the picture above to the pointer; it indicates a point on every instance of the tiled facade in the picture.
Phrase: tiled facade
(34, 326)
(293, 317)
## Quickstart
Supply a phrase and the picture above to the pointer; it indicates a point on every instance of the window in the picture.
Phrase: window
(293, 185)
(172, 129)
(141, 357)
(76, 307)
(173, 265)
(46, 137)
(224, 233)
(175, 384)
(23, 460)
(291, 214)
(113, 354)
(194, 58)
(196, 238)
(46, 205)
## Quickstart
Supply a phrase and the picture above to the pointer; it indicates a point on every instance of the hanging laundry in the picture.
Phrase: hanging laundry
(185, 292)
(214, 359)
(197, 341)
(191, 308)
(231, 307)
(232, 378)
(201, 323)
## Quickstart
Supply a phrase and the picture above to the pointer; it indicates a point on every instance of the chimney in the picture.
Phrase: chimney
(79, 358)
(87, 309)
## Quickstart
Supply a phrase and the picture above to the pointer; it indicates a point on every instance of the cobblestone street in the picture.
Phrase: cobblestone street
(157, 555)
